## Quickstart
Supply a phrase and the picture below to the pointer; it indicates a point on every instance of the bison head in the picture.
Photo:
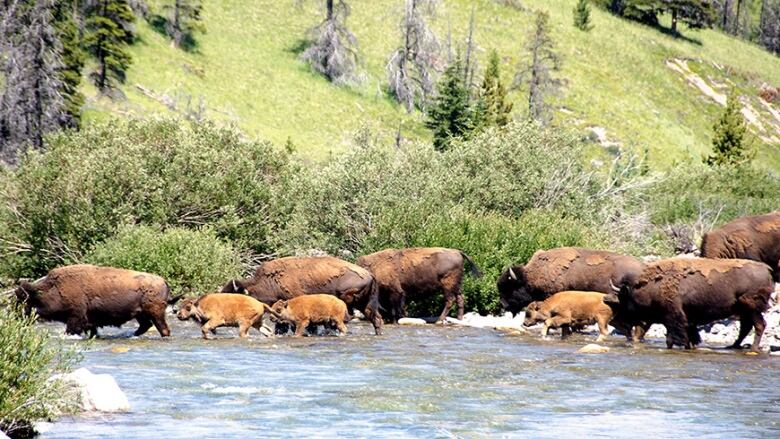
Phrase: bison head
(513, 289)
(533, 314)
(235, 286)
(280, 309)
(28, 295)
(187, 310)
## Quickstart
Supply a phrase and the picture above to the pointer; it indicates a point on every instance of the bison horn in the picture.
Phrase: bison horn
(512, 274)
(614, 288)
(235, 288)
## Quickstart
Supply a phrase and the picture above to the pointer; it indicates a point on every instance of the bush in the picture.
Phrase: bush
(28, 358)
(192, 261)
(62, 202)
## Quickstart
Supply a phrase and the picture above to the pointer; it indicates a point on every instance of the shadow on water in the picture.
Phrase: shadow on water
(426, 381)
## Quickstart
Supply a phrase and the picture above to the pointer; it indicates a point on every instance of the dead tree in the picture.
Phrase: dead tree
(333, 49)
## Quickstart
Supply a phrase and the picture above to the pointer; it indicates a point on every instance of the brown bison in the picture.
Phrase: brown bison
(751, 237)
(285, 278)
(683, 293)
(417, 273)
(561, 269)
(570, 310)
(87, 297)
(313, 308)
(216, 310)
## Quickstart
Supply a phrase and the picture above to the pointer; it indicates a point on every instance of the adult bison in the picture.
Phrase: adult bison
(418, 272)
(562, 269)
(87, 297)
(285, 278)
(683, 293)
(750, 237)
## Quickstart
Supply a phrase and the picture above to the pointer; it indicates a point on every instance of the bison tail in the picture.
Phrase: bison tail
(474, 269)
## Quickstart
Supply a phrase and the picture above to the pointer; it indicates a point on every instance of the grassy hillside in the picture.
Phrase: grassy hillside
(245, 71)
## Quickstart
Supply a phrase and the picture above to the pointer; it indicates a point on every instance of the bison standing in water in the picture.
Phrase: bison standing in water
(562, 269)
(418, 272)
(751, 237)
(87, 297)
(285, 278)
(682, 293)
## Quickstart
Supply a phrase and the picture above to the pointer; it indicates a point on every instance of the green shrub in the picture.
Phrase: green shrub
(162, 173)
(192, 261)
(28, 357)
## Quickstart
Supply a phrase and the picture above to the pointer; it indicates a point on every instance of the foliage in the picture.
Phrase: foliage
(493, 107)
(581, 14)
(107, 35)
(184, 19)
(729, 142)
(73, 58)
(450, 116)
(192, 261)
(28, 357)
(159, 173)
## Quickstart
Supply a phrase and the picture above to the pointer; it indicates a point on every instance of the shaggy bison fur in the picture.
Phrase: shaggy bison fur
(212, 311)
(312, 309)
(570, 310)
(751, 237)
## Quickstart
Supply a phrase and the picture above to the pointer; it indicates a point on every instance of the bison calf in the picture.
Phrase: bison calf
(312, 308)
(570, 309)
(215, 310)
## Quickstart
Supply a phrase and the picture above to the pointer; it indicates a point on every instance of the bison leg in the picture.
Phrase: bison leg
(93, 332)
(676, 323)
(759, 324)
(76, 325)
(603, 328)
(447, 306)
(144, 324)
(693, 337)
(210, 326)
(243, 329)
(341, 326)
(459, 299)
(300, 327)
(451, 290)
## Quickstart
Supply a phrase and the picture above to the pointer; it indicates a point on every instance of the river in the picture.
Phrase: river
(423, 382)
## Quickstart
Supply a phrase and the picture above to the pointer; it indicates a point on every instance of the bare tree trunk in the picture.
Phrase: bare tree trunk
(329, 8)
(674, 21)
(101, 56)
(176, 20)
(736, 19)
(726, 7)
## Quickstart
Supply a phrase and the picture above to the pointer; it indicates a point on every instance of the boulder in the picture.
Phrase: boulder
(593, 348)
(97, 392)
(410, 321)
(3, 436)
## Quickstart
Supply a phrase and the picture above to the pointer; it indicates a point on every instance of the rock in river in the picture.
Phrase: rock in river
(98, 392)
(593, 348)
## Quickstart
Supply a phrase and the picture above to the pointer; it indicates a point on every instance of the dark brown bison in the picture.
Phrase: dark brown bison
(750, 237)
(87, 297)
(561, 269)
(285, 278)
(683, 293)
(417, 273)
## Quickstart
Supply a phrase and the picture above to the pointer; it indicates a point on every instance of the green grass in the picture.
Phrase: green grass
(247, 73)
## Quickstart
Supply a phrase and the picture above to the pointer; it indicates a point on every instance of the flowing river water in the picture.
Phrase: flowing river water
(425, 382)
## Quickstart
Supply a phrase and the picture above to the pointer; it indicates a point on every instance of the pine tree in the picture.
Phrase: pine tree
(332, 47)
(412, 67)
(582, 16)
(450, 115)
(31, 105)
(492, 107)
(183, 21)
(108, 33)
(536, 72)
(729, 142)
(72, 60)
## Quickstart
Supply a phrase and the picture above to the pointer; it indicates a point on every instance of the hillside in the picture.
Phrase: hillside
(630, 85)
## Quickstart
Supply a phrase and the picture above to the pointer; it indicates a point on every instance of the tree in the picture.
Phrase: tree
(769, 26)
(728, 142)
(72, 60)
(450, 115)
(183, 21)
(108, 33)
(31, 105)
(582, 15)
(537, 71)
(492, 108)
(412, 67)
(332, 47)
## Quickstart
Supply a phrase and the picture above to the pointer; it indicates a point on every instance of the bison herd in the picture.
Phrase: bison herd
(562, 288)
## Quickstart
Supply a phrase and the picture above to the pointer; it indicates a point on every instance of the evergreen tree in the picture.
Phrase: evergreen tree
(696, 14)
(492, 107)
(450, 115)
(582, 16)
(769, 26)
(72, 60)
(183, 21)
(537, 71)
(31, 105)
(729, 143)
(108, 33)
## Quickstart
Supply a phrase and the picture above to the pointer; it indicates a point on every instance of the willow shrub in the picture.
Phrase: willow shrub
(28, 358)
(78, 191)
(192, 261)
